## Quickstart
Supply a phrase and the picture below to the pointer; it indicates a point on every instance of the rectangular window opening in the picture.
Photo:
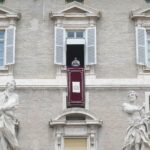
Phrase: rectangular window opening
(75, 34)
(75, 144)
(75, 52)
(69, 1)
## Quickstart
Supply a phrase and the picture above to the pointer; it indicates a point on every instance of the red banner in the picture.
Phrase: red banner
(75, 87)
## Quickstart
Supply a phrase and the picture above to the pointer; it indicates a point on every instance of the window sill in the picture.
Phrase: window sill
(64, 68)
(4, 68)
(89, 72)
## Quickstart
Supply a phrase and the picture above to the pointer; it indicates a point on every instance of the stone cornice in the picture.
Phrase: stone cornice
(86, 11)
(89, 83)
(6, 13)
(140, 13)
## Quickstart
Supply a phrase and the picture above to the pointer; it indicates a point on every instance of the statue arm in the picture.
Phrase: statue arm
(12, 103)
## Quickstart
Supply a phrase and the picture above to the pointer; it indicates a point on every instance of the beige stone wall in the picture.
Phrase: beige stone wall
(34, 59)
(115, 38)
(37, 107)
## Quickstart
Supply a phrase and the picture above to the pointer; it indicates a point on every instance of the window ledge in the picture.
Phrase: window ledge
(64, 68)
(4, 68)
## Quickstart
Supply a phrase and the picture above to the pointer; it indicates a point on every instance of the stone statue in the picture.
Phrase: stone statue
(137, 136)
(8, 102)
(75, 62)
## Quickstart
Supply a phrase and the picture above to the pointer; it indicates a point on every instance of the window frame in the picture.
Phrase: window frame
(143, 69)
(75, 34)
(8, 23)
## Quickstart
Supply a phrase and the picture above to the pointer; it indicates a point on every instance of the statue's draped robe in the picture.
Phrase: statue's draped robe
(138, 131)
(7, 121)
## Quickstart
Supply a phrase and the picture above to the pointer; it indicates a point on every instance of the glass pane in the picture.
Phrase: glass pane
(148, 35)
(2, 34)
(1, 62)
(2, 47)
(70, 34)
(79, 34)
(68, 1)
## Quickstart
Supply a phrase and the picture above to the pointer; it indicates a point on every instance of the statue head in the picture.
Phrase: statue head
(10, 86)
(132, 95)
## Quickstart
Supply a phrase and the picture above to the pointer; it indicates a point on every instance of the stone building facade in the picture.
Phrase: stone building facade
(36, 57)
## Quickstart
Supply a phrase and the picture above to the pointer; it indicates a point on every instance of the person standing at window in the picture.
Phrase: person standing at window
(75, 62)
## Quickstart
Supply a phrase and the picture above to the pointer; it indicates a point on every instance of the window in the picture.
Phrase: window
(68, 1)
(75, 144)
(8, 23)
(143, 46)
(80, 43)
(75, 34)
(7, 42)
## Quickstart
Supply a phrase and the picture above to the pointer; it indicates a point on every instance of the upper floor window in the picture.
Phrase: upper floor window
(75, 46)
(68, 1)
(7, 46)
(75, 34)
(8, 22)
(141, 18)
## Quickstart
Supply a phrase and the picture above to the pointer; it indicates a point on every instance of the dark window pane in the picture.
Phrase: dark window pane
(79, 34)
(68, 1)
(70, 34)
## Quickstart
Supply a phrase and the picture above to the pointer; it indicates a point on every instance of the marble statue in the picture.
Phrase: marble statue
(138, 133)
(8, 102)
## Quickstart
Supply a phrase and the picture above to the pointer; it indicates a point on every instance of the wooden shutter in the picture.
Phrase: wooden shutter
(141, 45)
(10, 45)
(59, 54)
(91, 46)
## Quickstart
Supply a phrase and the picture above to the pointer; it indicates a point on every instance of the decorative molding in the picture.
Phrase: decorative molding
(141, 82)
(87, 128)
(76, 10)
(7, 13)
(140, 13)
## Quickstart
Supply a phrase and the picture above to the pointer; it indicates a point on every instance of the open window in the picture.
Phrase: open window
(75, 36)
(75, 45)
(142, 30)
(7, 39)
(75, 51)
